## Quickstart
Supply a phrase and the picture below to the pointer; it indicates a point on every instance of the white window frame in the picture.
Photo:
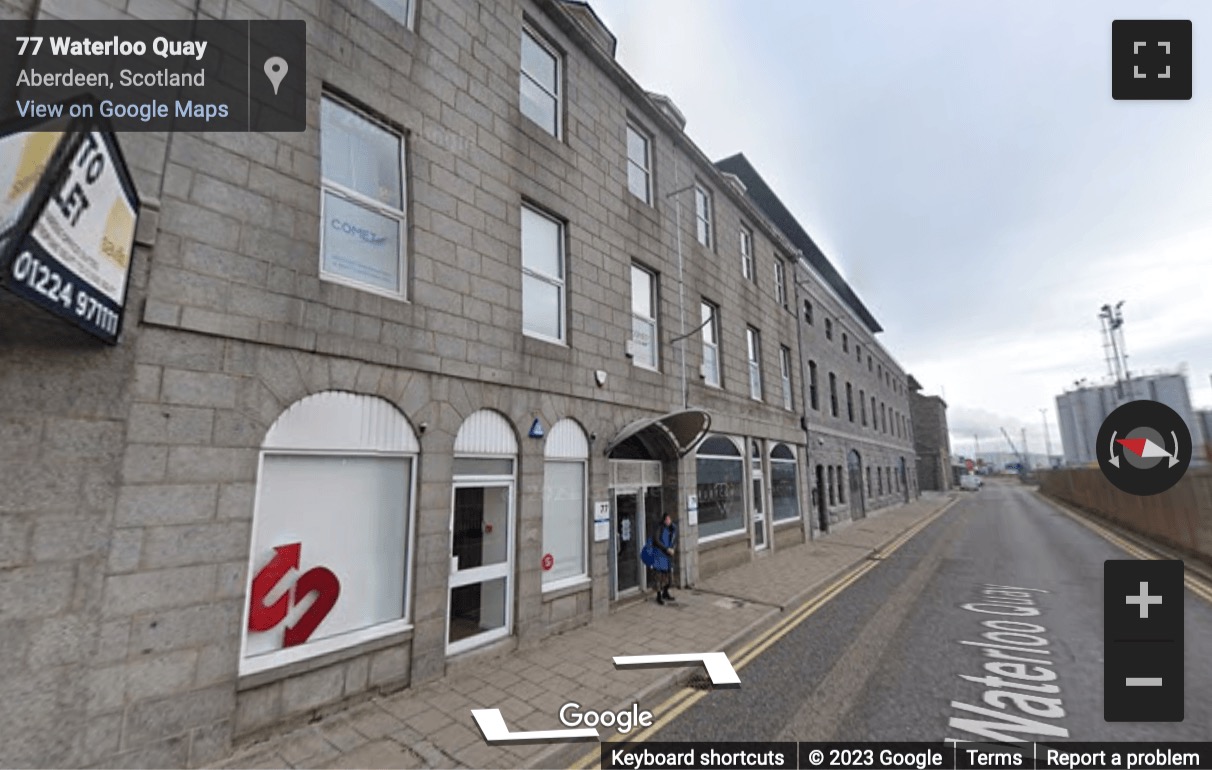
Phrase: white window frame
(753, 339)
(400, 216)
(558, 96)
(559, 282)
(645, 168)
(557, 455)
(704, 226)
(780, 281)
(747, 254)
(739, 457)
(711, 328)
(410, 10)
(650, 319)
(308, 436)
(785, 372)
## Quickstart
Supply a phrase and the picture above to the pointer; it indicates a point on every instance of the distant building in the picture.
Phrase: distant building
(931, 439)
(1081, 412)
(1203, 418)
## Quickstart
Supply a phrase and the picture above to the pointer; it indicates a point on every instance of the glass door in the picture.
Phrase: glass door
(628, 540)
(481, 565)
(759, 498)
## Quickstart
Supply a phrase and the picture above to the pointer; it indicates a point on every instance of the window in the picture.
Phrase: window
(785, 371)
(841, 486)
(883, 418)
(875, 425)
(323, 454)
(400, 10)
(747, 254)
(565, 510)
(812, 389)
(540, 82)
(808, 312)
(363, 225)
(542, 276)
(639, 165)
(643, 318)
(702, 216)
(721, 492)
(849, 402)
(828, 329)
(845, 343)
(868, 481)
(863, 406)
(754, 338)
(709, 315)
(879, 478)
(780, 281)
(833, 394)
(868, 362)
(832, 486)
(858, 352)
(784, 495)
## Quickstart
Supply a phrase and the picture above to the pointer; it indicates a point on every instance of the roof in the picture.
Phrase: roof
(764, 198)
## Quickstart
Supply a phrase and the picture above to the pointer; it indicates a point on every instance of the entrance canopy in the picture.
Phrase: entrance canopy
(677, 432)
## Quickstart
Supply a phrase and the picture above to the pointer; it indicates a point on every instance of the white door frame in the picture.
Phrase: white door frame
(637, 538)
(486, 573)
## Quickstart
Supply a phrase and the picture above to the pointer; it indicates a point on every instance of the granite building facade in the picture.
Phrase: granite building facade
(542, 349)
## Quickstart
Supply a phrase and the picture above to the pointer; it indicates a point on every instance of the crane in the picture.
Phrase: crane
(1022, 461)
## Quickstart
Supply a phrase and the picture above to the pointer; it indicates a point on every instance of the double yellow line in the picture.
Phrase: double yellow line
(1195, 585)
(682, 700)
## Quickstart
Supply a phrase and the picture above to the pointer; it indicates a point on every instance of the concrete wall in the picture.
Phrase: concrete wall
(1181, 516)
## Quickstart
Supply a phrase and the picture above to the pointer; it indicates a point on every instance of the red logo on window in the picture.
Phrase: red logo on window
(318, 580)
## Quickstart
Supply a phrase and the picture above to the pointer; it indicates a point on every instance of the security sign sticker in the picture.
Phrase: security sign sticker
(1144, 447)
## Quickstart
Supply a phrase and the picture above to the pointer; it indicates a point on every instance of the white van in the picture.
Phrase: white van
(970, 481)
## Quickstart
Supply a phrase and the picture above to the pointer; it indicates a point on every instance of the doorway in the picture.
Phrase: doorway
(858, 507)
(759, 497)
(481, 563)
(637, 510)
(822, 507)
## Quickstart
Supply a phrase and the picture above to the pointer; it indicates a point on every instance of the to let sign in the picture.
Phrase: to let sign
(73, 257)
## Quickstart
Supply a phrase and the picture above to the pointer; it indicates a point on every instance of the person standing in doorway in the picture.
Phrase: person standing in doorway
(666, 541)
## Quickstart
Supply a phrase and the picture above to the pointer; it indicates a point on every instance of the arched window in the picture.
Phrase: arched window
(566, 453)
(332, 462)
(785, 500)
(721, 494)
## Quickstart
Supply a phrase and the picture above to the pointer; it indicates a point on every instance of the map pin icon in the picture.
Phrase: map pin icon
(275, 70)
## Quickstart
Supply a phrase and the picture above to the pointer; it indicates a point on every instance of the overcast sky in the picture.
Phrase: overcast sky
(964, 166)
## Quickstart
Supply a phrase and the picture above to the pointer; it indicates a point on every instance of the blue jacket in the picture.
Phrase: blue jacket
(668, 538)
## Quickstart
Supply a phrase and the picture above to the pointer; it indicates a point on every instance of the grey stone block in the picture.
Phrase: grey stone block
(259, 707)
(211, 464)
(161, 589)
(68, 538)
(195, 544)
(199, 626)
(199, 388)
(166, 504)
(313, 689)
(151, 720)
(38, 591)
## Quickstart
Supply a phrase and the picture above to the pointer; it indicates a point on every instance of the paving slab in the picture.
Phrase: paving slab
(431, 725)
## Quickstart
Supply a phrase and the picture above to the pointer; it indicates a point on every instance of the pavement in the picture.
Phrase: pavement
(431, 725)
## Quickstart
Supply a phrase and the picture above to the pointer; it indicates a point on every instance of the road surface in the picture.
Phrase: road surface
(886, 659)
